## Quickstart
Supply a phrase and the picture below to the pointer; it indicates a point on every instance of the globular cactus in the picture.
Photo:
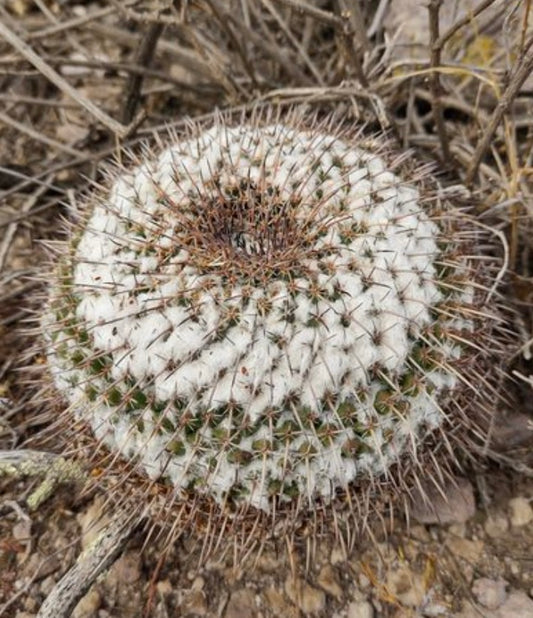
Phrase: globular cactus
(272, 311)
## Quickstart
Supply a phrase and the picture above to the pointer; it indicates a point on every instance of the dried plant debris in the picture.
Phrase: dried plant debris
(349, 428)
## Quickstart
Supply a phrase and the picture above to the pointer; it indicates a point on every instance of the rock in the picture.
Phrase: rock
(436, 609)
(514, 567)
(457, 505)
(490, 593)
(241, 603)
(198, 583)
(512, 430)
(521, 511)
(360, 609)
(126, 570)
(279, 605)
(269, 563)
(406, 22)
(194, 603)
(469, 611)
(406, 586)
(310, 600)
(88, 606)
(496, 526)
(517, 605)
(21, 531)
(419, 533)
(92, 522)
(30, 605)
(47, 585)
(458, 530)
(338, 555)
(328, 581)
(39, 566)
(164, 587)
(464, 548)
(364, 582)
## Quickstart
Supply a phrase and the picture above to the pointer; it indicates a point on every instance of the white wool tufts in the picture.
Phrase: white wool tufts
(183, 347)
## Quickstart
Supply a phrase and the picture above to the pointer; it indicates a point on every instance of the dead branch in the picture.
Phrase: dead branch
(320, 15)
(436, 86)
(12, 227)
(143, 58)
(100, 555)
(515, 83)
(55, 469)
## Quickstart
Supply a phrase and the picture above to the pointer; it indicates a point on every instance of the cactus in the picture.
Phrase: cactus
(275, 311)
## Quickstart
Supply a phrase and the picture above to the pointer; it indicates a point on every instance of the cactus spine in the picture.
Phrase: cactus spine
(268, 312)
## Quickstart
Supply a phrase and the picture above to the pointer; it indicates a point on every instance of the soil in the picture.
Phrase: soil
(461, 569)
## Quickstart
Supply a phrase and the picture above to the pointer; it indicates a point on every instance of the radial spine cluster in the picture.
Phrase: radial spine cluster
(261, 313)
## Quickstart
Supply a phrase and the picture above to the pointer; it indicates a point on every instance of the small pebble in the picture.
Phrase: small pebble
(496, 526)
(279, 604)
(515, 567)
(517, 605)
(269, 563)
(338, 555)
(490, 593)
(40, 566)
(309, 599)
(92, 521)
(364, 582)
(407, 586)
(164, 587)
(466, 549)
(22, 531)
(360, 609)
(458, 530)
(329, 581)
(436, 609)
(521, 511)
(195, 603)
(47, 585)
(419, 533)
(457, 505)
(88, 606)
(126, 570)
(241, 603)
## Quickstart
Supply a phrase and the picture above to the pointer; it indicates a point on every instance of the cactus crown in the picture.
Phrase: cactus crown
(265, 312)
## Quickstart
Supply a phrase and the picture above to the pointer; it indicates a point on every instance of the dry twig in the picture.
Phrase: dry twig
(143, 58)
(12, 227)
(25, 50)
(101, 554)
(520, 75)
(320, 15)
(39, 137)
(436, 87)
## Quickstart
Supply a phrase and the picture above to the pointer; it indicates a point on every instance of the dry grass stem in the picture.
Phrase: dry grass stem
(23, 48)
